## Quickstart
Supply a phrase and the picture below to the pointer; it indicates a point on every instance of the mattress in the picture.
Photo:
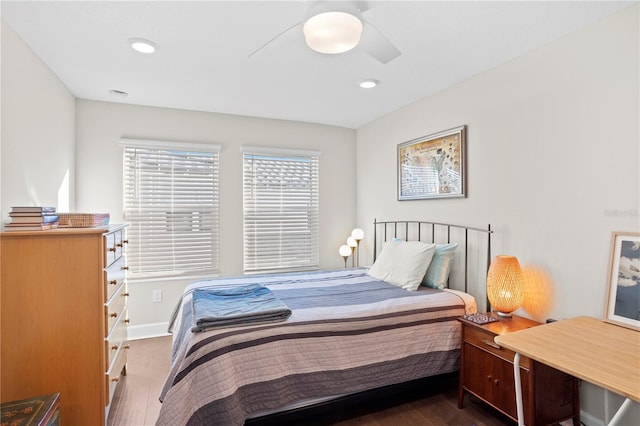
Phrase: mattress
(347, 333)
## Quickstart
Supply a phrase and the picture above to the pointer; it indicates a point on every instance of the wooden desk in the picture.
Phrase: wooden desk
(590, 349)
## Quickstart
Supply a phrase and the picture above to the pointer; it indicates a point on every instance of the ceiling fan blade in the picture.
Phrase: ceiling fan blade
(377, 45)
(274, 38)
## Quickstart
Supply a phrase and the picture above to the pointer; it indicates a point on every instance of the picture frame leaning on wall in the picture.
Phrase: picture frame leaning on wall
(623, 294)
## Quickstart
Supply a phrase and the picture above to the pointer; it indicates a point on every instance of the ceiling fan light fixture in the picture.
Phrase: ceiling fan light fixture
(332, 32)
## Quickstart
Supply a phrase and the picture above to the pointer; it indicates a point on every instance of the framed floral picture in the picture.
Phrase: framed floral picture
(432, 166)
(623, 295)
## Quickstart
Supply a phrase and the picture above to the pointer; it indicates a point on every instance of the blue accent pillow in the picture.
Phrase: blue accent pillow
(440, 266)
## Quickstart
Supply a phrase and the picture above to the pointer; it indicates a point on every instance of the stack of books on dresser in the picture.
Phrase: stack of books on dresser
(32, 218)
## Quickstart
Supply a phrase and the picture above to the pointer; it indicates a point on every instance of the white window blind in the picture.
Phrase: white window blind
(171, 201)
(281, 209)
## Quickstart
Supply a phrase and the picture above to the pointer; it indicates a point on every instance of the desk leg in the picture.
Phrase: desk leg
(516, 376)
(623, 409)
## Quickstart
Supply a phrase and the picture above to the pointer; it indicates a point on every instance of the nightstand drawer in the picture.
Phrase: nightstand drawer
(484, 340)
(491, 379)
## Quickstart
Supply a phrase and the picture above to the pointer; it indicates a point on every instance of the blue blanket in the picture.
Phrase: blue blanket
(226, 307)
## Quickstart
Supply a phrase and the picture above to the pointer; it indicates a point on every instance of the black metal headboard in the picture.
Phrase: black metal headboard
(467, 237)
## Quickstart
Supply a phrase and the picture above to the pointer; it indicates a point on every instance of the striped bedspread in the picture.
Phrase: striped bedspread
(347, 333)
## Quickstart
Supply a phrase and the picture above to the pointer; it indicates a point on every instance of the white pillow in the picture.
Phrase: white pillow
(403, 263)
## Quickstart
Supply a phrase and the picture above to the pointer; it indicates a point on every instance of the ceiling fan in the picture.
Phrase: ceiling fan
(338, 26)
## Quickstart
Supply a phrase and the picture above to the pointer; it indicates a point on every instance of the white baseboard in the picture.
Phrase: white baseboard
(590, 420)
(147, 331)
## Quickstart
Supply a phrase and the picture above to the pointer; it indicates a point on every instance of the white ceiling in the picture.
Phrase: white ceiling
(202, 62)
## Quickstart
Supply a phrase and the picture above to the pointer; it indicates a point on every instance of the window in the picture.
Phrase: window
(171, 201)
(280, 210)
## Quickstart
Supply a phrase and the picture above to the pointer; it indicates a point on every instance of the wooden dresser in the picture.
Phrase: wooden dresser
(486, 371)
(64, 318)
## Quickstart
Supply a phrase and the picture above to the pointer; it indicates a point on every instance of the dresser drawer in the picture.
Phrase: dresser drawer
(114, 245)
(116, 340)
(114, 276)
(484, 340)
(115, 307)
(114, 374)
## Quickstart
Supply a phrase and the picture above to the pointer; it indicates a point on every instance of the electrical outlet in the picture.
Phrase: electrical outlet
(156, 296)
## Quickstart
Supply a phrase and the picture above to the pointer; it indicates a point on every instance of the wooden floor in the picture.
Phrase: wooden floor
(136, 402)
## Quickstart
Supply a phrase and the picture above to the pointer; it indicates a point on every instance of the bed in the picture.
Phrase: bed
(346, 331)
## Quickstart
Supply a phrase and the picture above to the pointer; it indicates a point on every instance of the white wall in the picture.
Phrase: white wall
(99, 171)
(38, 119)
(553, 161)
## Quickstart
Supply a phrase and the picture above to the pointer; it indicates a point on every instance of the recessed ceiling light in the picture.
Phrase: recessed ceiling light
(118, 94)
(141, 45)
(369, 84)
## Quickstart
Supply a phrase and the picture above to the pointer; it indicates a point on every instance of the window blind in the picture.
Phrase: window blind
(171, 201)
(281, 209)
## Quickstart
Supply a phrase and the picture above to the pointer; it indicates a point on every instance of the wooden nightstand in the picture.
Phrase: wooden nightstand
(486, 371)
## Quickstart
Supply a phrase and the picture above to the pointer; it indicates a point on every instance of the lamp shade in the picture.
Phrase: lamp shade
(345, 250)
(332, 32)
(504, 285)
(358, 234)
(351, 242)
